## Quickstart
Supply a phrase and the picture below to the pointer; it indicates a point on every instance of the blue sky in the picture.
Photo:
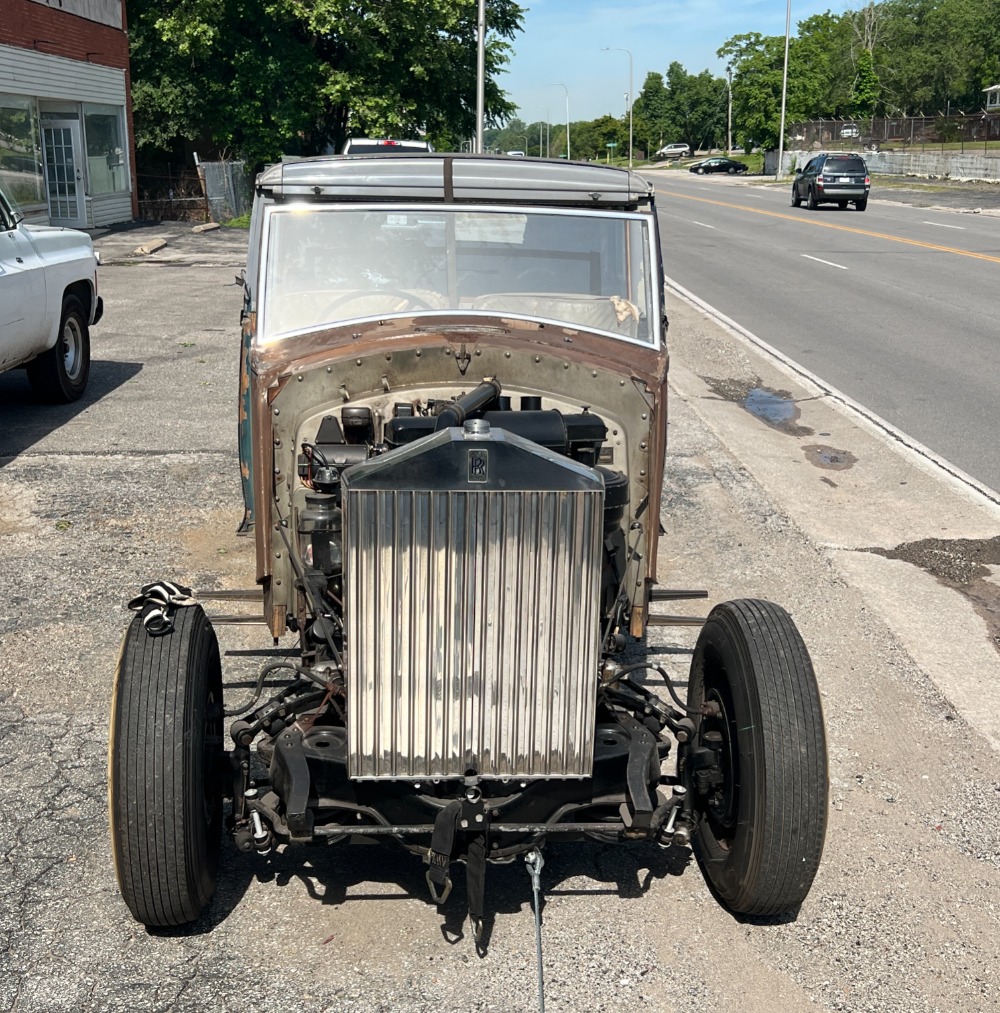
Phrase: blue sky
(562, 41)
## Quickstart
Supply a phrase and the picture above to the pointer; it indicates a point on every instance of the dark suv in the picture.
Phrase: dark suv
(832, 179)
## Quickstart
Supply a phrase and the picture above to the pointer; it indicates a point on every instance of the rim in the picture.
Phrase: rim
(721, 806)
(72, 342)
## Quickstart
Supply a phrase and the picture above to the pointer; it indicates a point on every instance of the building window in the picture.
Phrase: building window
(106, 168)
(20, 151)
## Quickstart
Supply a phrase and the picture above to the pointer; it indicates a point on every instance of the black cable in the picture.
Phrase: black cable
(645, 666)
(255, 695)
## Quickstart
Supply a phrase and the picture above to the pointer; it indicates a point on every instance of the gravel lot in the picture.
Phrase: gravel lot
(140, 480)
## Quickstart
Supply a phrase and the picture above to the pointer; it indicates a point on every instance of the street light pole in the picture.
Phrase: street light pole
(559, 84)
(729, 121)
(619, 49)
(481, 75)
(784, 91)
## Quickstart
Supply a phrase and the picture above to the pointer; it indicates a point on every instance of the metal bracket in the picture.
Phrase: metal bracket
(438, 898)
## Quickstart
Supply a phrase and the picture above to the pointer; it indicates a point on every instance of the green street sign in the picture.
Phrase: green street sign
(611, 144)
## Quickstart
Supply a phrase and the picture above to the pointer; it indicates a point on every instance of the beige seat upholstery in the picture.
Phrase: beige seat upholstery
(595, 312)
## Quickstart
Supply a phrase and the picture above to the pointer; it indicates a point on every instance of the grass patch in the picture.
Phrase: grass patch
(243, 222)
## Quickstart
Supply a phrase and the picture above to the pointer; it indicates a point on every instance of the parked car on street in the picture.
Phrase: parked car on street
(850, 130)
(381, 146)
(48, 303)
(453, 426)
(832, 178)
(674, 151)
(718, 164)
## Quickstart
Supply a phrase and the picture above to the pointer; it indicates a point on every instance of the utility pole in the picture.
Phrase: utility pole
(481, 76)
(784, 91)
(559, 84)
(729, 122)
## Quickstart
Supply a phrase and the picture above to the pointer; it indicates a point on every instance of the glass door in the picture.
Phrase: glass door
(64, 172)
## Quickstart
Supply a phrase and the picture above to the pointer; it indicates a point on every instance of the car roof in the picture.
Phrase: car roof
(435, 176)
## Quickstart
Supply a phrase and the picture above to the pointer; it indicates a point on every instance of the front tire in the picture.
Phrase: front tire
(796, 199)
(164, 789)
(700, 171)
(731, 170)
(756, 768)
(61, 373)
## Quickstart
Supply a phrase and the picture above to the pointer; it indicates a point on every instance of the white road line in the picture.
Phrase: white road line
(874, 423)
(941, 225)
(829, 263)
(702, 224)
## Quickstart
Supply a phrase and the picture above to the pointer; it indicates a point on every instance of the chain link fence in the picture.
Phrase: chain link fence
(979, 132)
(227, 189)
(209, 191)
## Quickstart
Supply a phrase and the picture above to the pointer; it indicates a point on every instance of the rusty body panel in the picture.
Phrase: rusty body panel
(375, 364)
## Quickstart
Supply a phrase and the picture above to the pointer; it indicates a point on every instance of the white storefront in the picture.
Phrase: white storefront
(64, 152)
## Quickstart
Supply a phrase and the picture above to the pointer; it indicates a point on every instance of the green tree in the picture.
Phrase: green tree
(696, 107)
(299, 76)
(758, 65)
(650, 113)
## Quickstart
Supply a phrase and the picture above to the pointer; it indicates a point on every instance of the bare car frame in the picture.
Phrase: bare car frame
(452, 434)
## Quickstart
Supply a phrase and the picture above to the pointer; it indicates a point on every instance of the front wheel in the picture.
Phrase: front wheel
(731, 170)
(61, 373)
(796, 199)
(164, 786)
(701, 171)
(756, 768)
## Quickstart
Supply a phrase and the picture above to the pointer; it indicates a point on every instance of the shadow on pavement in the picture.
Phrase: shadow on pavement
(24, 420)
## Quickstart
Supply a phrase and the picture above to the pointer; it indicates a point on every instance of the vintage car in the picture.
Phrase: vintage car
(453, 424)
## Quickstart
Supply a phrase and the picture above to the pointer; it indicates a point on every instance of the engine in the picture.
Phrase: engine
(477, 555)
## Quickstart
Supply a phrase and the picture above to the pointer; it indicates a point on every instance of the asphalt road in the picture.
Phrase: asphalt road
(896, 307)
(140, 481)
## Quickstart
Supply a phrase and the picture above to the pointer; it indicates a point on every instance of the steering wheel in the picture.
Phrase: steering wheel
(412, 301)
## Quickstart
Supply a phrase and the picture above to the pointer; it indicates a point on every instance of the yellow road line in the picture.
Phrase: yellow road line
(830, 225)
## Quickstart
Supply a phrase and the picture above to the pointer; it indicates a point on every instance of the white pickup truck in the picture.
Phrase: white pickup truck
(48, 302)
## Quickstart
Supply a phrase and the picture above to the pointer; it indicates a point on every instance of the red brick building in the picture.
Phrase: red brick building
(67, 150)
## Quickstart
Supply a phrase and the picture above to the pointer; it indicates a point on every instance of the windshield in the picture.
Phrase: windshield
(331, 263)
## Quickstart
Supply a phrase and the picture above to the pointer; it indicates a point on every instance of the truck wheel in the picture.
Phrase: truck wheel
(796, 199)
(756, 767)
(164, 784)
(61, 373)
(811, 201)
(860, 205)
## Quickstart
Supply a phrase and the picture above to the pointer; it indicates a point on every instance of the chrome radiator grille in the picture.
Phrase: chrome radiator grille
(472, 611)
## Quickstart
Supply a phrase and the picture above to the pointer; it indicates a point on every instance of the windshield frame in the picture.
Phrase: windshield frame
(647, 244)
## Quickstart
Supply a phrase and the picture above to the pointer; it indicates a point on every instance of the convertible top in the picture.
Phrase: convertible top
(453, 177)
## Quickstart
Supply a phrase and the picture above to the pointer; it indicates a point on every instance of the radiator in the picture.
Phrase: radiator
(472, 567)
